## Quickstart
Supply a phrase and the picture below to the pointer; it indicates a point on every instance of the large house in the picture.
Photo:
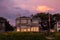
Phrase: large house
(27, 24)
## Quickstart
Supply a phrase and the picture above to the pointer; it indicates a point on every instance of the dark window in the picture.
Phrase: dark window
(59, 30)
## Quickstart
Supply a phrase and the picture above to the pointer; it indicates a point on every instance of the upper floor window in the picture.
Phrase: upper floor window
(35, 21)
(29, 21)
(23, 26)
(23, 21)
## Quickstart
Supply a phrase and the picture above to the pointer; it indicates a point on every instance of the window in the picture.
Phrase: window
(34, 29)
(24, 26)
(35, 21)
(23, 30)
(18, 29)
(28, 29)
(29, 21)
(23, 21)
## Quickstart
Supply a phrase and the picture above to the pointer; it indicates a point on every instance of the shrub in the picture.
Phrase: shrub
(22, 36)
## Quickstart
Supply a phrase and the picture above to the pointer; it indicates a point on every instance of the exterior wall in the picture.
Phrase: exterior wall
(55, 27)
(58, 26)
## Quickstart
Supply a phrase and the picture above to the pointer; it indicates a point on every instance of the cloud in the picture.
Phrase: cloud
(11, 14)
(9, 11)
(44, 8)
(10, 8)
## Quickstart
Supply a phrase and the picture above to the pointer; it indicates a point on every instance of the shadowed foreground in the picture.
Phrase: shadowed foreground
(28, 36)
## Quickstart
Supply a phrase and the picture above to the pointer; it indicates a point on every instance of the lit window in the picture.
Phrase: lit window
(28, 29)
(18, 29)
(23, 30)
(34, 29)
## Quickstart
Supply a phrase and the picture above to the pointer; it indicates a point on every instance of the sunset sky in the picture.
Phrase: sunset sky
(10, 9)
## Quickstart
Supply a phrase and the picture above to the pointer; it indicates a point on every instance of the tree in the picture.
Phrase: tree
(6, 25)
(43, 17)
(57, 16)
(47, 20)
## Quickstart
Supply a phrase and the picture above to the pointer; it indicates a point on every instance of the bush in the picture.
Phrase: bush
(21, 36)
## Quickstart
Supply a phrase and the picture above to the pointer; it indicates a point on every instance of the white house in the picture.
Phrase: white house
(27, 24)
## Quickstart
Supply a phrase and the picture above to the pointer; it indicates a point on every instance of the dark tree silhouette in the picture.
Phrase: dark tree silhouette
(44, 17)
(57, 16)
(7, 26)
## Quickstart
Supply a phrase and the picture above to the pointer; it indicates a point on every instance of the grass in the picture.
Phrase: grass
(21, 36)
(28, 36)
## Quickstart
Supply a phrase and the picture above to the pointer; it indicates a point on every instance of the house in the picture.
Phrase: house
(57, 26)
(2, 24)
(27, 24)
(35, 25)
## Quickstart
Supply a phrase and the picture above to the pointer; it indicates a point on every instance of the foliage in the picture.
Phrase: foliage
(45, 17)
(22, 36)
(28, 36)
(7, 26)
(57, 16)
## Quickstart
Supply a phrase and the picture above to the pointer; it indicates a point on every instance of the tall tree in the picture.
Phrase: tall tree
(47, 20)
(57, 16)
(6, 25)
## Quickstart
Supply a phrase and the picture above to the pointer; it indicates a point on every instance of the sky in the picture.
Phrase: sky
(10, 9)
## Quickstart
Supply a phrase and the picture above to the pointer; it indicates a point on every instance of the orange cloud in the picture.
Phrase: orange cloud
(44, 8)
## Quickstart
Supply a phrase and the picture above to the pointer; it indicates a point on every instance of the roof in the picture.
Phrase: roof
(23, 17)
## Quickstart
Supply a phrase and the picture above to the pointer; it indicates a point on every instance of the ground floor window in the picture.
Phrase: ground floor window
(35, 29)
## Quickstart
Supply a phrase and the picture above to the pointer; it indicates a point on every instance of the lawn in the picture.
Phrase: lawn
(27, 36)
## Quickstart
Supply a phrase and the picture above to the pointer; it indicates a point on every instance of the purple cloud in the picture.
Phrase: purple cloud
(10, 8)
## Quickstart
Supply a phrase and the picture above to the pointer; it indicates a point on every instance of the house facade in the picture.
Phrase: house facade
(57, 26)
(27, 24)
